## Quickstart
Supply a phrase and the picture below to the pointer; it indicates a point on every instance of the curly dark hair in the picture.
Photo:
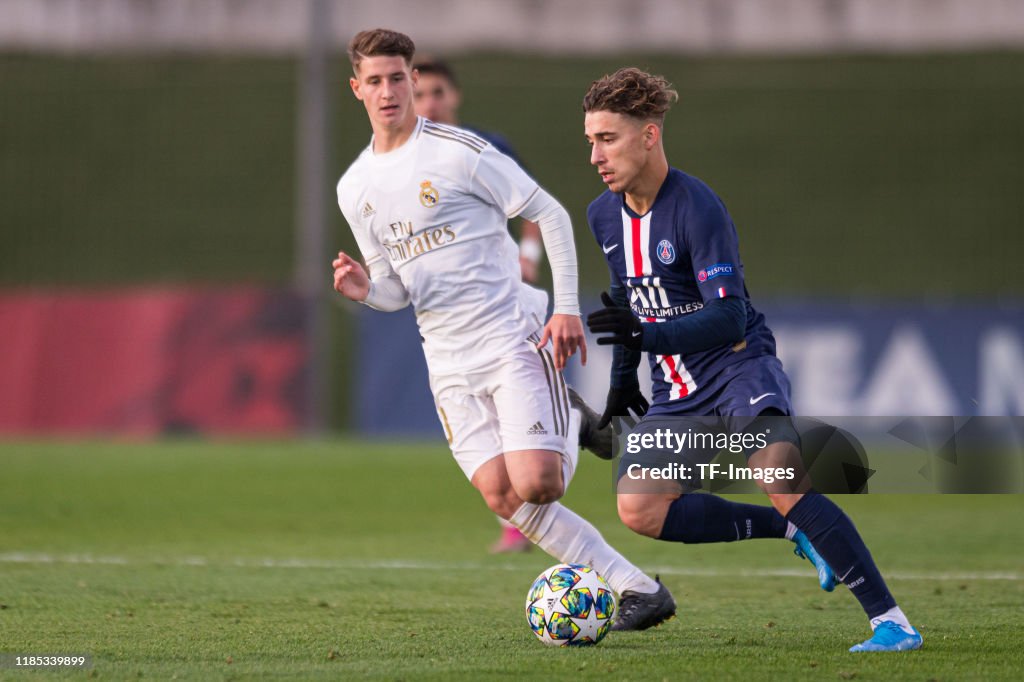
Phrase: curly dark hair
(631, 92)
(380, 42)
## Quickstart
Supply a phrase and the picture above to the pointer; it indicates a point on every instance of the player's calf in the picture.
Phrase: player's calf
(644, 514)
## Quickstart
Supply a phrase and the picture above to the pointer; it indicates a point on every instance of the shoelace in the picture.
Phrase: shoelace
(891, 628)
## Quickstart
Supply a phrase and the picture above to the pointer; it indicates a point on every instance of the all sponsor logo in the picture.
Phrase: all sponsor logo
(716, 270)
(666, 252)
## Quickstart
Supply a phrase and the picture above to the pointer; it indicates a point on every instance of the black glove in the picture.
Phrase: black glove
(620, 402)
(622, 325)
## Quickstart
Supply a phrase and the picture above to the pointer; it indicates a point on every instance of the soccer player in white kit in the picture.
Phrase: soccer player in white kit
(428, 206)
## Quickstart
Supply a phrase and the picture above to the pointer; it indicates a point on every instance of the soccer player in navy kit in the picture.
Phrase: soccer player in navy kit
(678, 293)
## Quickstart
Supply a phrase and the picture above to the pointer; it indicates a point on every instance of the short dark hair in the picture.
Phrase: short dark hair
(631, 92)
(380, 42)
(437, 67)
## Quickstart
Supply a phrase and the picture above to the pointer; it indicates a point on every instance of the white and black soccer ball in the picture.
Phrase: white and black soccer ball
(570, 605)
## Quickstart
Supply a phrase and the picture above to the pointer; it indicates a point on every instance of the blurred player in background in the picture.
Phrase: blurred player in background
(428, 205)
(678, 292)
(438, 97)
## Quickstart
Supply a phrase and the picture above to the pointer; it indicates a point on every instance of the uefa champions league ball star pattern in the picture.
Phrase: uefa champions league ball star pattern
(570, 605)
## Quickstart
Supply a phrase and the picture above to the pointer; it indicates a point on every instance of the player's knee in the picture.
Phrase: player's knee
(638, 517)
(503, 502)
(536, 477)
(499, 495)
(540, 489)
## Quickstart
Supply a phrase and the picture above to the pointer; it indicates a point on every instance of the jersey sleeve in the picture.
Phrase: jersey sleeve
(713, 245)
(625, 361)
(499, 143)
(500, 181)
(370, 250)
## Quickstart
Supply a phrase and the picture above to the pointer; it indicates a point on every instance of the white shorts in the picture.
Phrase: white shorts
(520, 403)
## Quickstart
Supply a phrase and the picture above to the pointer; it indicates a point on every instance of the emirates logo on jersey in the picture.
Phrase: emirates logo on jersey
(412, 245)
(428, 195)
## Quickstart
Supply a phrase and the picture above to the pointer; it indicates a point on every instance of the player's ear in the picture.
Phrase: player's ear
(652, 133)
(353, 83)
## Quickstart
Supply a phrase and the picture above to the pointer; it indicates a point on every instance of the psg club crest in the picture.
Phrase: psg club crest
(666, 252)
(428, 195)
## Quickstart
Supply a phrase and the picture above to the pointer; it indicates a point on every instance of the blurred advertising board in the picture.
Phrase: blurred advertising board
(151, 362)
(843, 358)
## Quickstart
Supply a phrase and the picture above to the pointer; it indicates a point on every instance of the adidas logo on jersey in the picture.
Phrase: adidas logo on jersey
(368, 210)
(537, 430)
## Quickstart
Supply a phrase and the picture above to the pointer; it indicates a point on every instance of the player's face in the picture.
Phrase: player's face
(619, 147)
(385, 85)
(436, 98)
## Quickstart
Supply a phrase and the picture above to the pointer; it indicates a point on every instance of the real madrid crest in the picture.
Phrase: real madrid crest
(428, 195)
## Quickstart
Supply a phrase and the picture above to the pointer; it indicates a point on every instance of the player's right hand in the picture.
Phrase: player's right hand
(350, 279)
(619, 403)
(566, 335)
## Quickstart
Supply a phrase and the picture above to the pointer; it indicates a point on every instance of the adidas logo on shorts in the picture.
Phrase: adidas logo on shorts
(537, 430)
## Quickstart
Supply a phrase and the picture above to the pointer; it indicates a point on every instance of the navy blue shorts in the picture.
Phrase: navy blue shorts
(729, 421)
(753, 386)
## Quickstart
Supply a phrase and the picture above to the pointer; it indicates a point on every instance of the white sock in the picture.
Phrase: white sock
(790, 530)
(571, 539)
(895, 614)
(503, 523)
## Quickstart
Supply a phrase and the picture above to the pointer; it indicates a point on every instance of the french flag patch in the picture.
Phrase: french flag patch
(721, 292)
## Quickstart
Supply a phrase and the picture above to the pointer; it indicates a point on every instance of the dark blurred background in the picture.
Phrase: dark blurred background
(152, 192)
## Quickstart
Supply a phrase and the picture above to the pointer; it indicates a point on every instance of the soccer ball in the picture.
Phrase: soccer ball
(570, 605)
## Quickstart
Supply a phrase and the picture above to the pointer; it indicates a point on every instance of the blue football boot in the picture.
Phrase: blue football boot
(890, 637)
(805, 550)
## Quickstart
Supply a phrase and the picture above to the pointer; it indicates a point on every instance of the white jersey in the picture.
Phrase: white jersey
(435, 210)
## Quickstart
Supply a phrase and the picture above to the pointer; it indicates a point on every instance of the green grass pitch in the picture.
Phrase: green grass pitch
(345, 559)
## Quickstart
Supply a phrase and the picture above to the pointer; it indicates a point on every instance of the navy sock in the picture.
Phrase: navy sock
(699, 517)
(834, 536)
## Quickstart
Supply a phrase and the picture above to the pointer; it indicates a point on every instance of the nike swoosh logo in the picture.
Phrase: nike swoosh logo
(843, 579)
(609, 249)
(755, 401)
(636, 334)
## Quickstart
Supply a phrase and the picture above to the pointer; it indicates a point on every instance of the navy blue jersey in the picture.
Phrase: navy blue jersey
(681, 254)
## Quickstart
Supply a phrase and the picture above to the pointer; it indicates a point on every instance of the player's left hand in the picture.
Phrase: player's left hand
(566, 335)
(624, 328)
